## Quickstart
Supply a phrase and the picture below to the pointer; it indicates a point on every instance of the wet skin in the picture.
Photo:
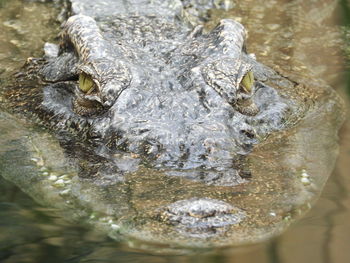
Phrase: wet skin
(158, 93)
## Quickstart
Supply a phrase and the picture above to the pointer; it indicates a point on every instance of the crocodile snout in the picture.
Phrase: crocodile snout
(201, 215)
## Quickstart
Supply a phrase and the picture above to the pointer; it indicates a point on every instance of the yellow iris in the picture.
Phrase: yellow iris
(248, 81)
(86, 84)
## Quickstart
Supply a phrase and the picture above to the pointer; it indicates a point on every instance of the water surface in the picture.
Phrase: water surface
(302, 39)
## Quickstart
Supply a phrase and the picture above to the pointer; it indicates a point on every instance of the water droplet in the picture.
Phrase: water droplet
(115, 226)
(59, 183)
(305, 180)
(65, 192)
(52, 178)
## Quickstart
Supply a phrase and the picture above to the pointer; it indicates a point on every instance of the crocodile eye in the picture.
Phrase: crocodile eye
(86, 84)
(247, 82)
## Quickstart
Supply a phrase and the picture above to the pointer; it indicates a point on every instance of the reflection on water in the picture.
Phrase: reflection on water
(291, 40)
(24, 28)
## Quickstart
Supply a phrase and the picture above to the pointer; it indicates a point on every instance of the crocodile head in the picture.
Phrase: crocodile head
(150, 90)
(104, 74)
(180, 98)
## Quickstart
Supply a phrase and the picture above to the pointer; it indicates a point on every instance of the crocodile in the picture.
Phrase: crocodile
(137, 93)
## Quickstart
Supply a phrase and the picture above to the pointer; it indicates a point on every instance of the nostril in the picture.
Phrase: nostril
(201, 214)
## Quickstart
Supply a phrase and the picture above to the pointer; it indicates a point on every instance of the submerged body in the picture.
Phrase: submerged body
(131, 87)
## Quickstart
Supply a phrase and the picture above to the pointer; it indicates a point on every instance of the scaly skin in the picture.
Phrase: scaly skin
(171, 96)
(162, 94)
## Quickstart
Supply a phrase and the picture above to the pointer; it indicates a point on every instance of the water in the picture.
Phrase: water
(286, 39)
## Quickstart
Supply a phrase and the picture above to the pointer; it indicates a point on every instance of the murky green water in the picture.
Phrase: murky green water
(293, 36)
